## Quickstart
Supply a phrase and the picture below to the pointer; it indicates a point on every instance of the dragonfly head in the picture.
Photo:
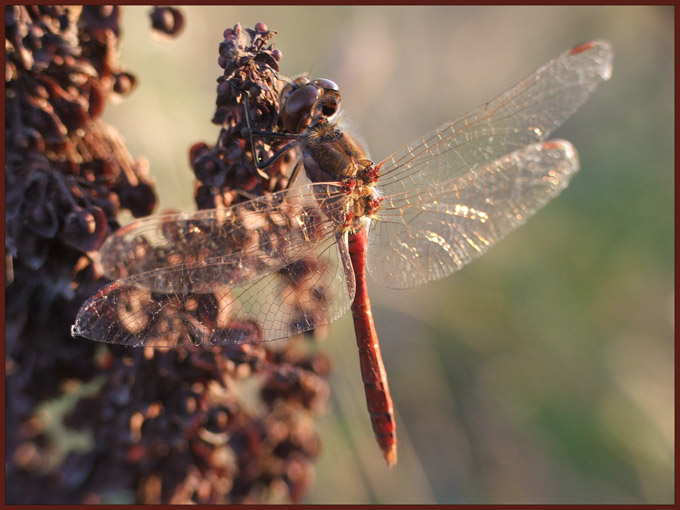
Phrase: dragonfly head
(306, 103)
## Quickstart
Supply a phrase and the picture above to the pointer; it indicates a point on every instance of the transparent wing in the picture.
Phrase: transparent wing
(197, 251)
(314, 290)
(486, 144)
(445, 227)
(303, 280)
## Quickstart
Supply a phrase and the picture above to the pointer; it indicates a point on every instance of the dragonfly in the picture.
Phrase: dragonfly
(288, 262)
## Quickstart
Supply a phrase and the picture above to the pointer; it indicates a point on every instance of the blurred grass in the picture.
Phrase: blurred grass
(542, 373)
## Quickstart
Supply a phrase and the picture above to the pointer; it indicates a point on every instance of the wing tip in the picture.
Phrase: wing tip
(561, 145)
(600, 51)
(563, 150)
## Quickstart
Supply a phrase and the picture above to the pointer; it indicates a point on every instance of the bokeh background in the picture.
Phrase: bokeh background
(541, 373)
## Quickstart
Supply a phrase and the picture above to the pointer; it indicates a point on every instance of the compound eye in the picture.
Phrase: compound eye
(293, 85)
(326, 84)
(296, 112)
(301, 99)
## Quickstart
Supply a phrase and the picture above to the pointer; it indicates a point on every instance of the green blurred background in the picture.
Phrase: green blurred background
(541, 373)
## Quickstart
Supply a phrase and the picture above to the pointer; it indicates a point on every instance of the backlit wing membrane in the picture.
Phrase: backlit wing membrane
(439, 189)
(446, 226)
(262, 270)
(194, 251)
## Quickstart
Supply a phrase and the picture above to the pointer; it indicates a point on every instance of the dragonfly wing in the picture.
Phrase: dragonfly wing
(194, 252)
(462, 150)
(261, 270)
(525, 114)
(464, 216)
(313, 290)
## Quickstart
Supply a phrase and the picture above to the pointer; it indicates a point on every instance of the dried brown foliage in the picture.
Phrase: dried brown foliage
(210, 425)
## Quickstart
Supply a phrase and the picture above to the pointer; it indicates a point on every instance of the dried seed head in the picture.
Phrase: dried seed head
(64, 171)
(250, 65)
(168, 425)
(167, 21)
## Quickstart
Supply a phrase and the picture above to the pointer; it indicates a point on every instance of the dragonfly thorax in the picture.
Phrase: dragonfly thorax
(330, 154)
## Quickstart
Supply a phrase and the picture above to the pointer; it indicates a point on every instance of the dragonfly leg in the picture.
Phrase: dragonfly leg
(294, 174)
(261, 165)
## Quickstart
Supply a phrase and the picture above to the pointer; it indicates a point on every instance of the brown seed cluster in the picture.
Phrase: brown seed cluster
(226, 172)
(67, 176)
(229, 424)
(67, 173)
(167, 21)
(181, 429)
